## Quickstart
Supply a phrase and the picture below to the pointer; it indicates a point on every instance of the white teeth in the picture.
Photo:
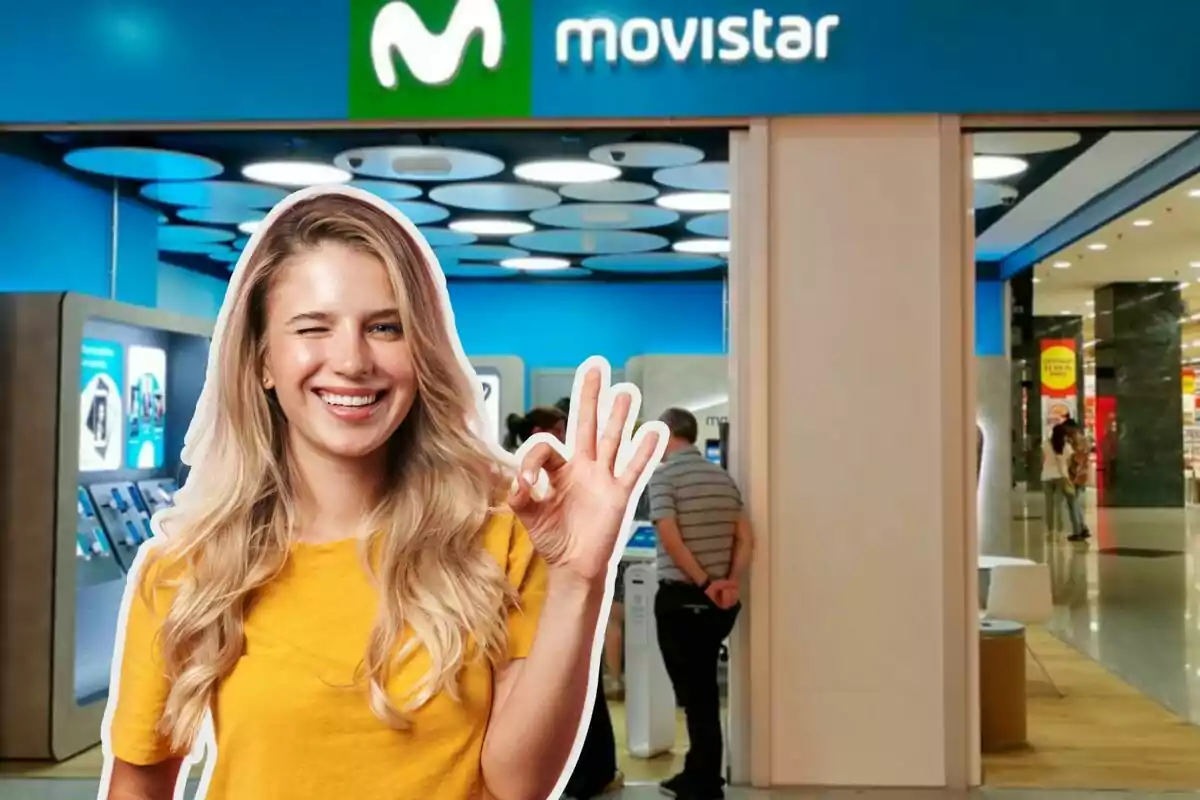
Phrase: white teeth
(348, 400)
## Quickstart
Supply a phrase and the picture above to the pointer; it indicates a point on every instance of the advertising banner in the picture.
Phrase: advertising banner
(101, 422)
(1189, 396)
(147, 409)
(1059, 381)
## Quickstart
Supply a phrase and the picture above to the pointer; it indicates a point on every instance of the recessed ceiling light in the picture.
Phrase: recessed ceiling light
(1090, 303)
(295, 173)
(990, 168)
(705, 246)
(491, 227)
(1062, 264)
(1184, 285)
(1097, 246)
(1066, 313)
(534, 263)
(1156, 280)
(1143, 223)
(1194, 264)
(1194, 193)
(694, 201)
(566, 171)
(249, 227)
(1037, 280)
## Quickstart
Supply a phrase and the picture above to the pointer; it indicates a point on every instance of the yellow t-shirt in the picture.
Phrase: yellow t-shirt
(291, 724)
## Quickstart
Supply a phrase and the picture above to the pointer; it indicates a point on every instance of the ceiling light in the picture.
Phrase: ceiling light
(1090, 302)
(1037, 280)
(1194, 264)
(562, 171)
(1142, 223)
(1156, 280)
(1194, 193)
(990, 168)
(1062, 264)
(249, 227)
(535, 263)
(1184, 285)
(491, 227)
(1097, 246)
(295, 173)
(694, 201)
(705, 246)
(1066, 313)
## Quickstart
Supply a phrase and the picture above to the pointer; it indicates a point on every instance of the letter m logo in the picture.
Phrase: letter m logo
(440, 59)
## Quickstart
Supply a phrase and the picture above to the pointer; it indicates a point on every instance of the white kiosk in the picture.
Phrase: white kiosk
(649, 698)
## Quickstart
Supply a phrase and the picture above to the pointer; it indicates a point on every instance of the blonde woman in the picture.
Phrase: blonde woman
(352, 582)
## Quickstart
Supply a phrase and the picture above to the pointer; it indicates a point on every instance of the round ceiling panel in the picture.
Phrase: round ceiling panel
(193, 234)
(609, 192)
(419, 163)
(495, 196)
(989, 194)
(647, 155)
(388, 190)
(576, 242)
(220, 215)
(444, 237)
(711, 176)
(1021, 143)
(241, 242)
(201, 248)
(210, 194)
(653, 262)
(710, 225)
(143, 163)
(479, 252)
(421, 213)
(454, 269)
(605, 216)
(556, 274)
(225, 256)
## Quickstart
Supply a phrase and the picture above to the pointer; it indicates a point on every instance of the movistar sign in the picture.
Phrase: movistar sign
(727, 40)
(434, 59)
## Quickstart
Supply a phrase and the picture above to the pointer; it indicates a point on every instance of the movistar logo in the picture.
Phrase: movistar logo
(433, 59)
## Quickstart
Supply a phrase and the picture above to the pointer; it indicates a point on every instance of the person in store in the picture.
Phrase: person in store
(596, 771)
(1054, 477)
(1078, 456)
(705, 545)
(371, 600)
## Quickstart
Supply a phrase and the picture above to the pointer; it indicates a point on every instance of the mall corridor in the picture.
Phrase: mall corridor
(1128, 598)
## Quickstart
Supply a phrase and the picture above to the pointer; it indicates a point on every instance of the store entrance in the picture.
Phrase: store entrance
(556, 245)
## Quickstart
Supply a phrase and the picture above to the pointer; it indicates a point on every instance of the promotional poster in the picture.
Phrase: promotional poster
(100, 431)
(147, 407)
(1059, 381)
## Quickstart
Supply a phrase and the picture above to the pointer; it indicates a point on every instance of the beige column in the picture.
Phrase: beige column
(853, 425)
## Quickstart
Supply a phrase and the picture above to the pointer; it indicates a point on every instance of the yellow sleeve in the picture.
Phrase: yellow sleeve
(141, 688)
(527, 572)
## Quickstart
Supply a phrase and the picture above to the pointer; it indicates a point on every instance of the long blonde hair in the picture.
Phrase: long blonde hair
(229, 533)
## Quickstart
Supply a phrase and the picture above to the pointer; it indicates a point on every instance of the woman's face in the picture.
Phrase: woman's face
(342, 370)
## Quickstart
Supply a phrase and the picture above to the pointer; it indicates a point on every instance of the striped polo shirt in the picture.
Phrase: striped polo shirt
(705, 503)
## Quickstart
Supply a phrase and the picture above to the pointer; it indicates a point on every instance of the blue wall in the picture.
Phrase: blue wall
(56, 235)
(185, 291)
(991, 318)
(561, 324)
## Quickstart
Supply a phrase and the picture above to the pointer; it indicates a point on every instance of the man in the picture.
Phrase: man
(704, 549)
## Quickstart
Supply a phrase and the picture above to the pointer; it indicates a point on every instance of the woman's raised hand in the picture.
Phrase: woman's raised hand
(576, 510)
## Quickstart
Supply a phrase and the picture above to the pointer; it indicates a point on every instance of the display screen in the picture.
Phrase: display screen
(147, 407)
(101, 421)
(491, 401)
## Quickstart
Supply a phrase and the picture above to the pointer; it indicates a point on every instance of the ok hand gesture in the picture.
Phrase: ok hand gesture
(576, 510)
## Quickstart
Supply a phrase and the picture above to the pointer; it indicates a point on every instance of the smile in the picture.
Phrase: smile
(350, 400)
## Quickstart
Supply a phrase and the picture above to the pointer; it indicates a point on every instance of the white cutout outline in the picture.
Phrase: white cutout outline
(200, 431)
(434, 59)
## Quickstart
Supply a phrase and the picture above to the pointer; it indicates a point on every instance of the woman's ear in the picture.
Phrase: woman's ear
(268, 382)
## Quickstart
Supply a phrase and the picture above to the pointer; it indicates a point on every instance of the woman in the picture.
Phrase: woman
(1054, 477)
(595, 771)
(351, 581)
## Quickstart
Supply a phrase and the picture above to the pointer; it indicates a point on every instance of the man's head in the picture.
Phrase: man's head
(682, 425)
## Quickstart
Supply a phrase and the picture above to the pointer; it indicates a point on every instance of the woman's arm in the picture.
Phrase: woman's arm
(541, 699)
(150, 782)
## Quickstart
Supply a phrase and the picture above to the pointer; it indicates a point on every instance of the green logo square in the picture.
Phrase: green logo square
(433, 59)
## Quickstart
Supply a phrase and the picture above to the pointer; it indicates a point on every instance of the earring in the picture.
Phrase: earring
(268, 383)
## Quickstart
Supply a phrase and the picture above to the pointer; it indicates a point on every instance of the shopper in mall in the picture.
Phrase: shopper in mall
(1054, 477)
(704, 549)
(352, 581)
(1078, 454)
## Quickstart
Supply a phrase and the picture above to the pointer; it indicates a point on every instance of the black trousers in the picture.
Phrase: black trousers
(691, 629)
(597, 764)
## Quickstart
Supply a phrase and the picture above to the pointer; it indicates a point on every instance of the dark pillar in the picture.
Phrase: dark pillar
(1139, 414)
(1023, 350)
